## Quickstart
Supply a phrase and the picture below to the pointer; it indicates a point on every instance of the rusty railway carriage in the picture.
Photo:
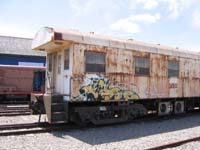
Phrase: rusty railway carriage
(100, 79)
(18, 82)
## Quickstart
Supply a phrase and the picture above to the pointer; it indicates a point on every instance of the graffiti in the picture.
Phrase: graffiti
(98, 88)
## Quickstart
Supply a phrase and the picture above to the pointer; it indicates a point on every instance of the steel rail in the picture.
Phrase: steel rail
(15, 114)
(34, 131)
(22, 126)
(14, 110)
(35, 128)
(174, 144)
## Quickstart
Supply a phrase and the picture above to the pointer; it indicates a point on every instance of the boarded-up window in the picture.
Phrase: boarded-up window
(95, 62)
(59, 64)
(173, 69)
(50, 62)
(141, 66)
(66, 59)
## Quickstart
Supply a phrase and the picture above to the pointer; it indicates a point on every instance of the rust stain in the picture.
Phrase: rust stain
(120, 68)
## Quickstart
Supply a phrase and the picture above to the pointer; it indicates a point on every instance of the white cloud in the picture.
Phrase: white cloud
(81, 8)
(174, 7)
(131, 23)
(196, 19)
(94, 12)
(125, 25)
(148, 4)
(177, 7)
(145, 18)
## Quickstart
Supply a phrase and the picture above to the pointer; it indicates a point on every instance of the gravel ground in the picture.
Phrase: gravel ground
(130, 136)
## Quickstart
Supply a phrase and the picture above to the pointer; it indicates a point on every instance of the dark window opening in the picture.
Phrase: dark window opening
(59, 64)
(173, 69)
(95, 62)
(141, 66)
(66, 59)
(39, 81)
(50, 62)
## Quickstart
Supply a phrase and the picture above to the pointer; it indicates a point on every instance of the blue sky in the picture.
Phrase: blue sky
(174, 23)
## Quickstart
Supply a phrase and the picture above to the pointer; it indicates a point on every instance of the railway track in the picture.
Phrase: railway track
(14, 110)
(44, 127)
(175, 144)
(32, 128)
(15, 113)
(22, 126)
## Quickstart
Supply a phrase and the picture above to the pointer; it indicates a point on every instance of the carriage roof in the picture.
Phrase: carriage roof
(51, 38)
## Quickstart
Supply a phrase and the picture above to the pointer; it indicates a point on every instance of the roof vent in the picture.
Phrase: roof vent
(131, 39)
(91, 32)
(158, 44)
(177, 47)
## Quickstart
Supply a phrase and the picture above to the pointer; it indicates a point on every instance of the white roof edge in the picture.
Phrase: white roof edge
(46, 34)
(43, 36)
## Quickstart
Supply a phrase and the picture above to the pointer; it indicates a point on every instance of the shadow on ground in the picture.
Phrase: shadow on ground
(120, 132)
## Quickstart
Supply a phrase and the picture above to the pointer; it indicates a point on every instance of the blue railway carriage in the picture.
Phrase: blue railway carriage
(99, 79)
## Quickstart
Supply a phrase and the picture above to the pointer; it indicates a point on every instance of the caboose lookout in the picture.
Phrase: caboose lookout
(126, 78)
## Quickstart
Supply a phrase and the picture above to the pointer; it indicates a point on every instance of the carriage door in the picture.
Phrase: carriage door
(67, 73)
(50, 73)
(59, 82)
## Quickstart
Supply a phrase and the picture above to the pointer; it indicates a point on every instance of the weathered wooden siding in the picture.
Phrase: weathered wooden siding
(120, 68)
(158, 86)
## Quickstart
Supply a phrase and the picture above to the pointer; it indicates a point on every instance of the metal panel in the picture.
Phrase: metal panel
(142, 84)
(44, 36)
(164, 108)
(120, 59)
(17, 79)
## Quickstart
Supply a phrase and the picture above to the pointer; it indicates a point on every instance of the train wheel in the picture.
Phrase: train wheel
(75, 118)
(137, 110)
(179, 107)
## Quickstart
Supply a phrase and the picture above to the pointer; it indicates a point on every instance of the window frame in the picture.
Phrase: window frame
(104, 64)
(66, 51)
(59, 64)
(169, 69)
(142, 74)
(50, 62)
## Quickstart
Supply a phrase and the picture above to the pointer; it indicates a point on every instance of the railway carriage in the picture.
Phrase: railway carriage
(18, 82)
(99, 79)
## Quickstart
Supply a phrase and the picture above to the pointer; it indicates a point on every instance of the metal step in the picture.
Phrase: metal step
(58, 121)
(57, 99)
(57, 107)
(58, 117)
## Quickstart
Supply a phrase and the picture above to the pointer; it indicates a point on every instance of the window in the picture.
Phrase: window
(141, 66)
(66, 59)
(59, 64)
(173, 69)
(95, 62)
(50, 62)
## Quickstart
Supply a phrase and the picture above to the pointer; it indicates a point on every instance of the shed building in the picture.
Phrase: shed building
(17, 51)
